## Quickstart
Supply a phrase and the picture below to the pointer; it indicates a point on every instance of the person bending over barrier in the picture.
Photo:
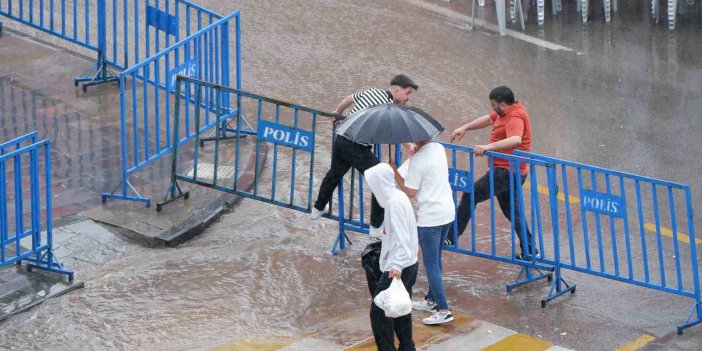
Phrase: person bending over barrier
(347, 154)
(511, 129)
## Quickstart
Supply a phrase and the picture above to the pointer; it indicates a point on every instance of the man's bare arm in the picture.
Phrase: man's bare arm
(478, 123)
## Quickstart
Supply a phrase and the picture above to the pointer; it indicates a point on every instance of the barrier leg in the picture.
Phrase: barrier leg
(340, 242)
(688, 322)
(124, 195)
(171, 195)
(99, 73)
(557, 289)
(48, 262)
(529, 277)
(341, 239)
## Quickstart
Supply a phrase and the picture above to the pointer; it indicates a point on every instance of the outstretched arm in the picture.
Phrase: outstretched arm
(478, 123)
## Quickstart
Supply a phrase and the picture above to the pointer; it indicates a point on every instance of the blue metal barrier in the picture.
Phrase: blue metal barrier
(21, 180)
(294, 132)
(122, 33)
(291, 128)
(498, 247)
(146, 91)
(616, 228)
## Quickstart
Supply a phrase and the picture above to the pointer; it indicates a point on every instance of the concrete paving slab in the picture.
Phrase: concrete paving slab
(481, 335)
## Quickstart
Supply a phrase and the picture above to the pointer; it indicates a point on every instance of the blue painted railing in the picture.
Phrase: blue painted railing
(25, 230)
(291, 128)
(557, 198)
(629, 228)
(146, 97)
(122, 33)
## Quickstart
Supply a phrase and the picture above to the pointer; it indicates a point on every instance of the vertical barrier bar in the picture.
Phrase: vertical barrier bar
(4, 225)
(275, 158)
(311, 178)
(658, 233)
(217, 126)
(693, 252)
(674, 228)
(472, 201)
(196, 155)
(586, 239)
(19, 222)
(258, 147)
(491, 179)
(626, 231)
(294, 157)
(642, 231)
(615, 254)
(600, 249)
(34, 198)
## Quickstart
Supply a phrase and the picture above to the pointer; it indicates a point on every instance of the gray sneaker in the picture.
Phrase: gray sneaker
(424, 305)
(439, 317)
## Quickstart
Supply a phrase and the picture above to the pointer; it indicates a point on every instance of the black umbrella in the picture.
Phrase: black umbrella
(390, 124)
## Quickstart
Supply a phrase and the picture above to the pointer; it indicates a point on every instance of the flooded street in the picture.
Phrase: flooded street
(627, 96)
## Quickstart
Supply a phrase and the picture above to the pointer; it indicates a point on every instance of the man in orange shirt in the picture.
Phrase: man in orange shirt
(511, 130)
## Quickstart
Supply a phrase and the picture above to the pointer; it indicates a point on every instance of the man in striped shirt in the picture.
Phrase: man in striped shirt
(347, 154)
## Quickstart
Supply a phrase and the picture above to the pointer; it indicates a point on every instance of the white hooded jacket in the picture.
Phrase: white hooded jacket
(400, 243)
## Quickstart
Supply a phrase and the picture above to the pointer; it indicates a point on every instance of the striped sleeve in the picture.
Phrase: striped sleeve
(370, 97)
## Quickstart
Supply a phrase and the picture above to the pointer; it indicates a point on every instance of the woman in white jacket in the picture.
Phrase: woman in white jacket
(398, 256)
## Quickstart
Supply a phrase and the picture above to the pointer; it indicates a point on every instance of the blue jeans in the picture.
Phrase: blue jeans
(430, 240)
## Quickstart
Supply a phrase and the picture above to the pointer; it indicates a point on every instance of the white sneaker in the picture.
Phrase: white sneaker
(423, 305)
(439, 317)
(376, 232)
(316, 214)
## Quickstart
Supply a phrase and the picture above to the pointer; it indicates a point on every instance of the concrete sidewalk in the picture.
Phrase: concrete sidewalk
(354, 334)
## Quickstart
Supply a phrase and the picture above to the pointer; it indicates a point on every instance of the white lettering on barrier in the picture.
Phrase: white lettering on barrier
(187, 69)
(604, 203)
(285, 135)
(459, 180)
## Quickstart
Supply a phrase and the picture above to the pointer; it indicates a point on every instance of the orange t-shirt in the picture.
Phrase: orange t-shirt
(514, 122)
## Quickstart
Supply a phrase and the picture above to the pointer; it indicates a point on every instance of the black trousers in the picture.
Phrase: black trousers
(347, 154)
(482, 193)
(384, 328)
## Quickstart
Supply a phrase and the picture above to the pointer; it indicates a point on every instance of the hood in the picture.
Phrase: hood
(381, 179)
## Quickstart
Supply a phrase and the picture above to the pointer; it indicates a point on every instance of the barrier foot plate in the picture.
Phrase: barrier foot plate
(557, 291)
(48, 262)
(171, 195)
(99, 73)
(529, 277)
(125, 196)
(689, 323)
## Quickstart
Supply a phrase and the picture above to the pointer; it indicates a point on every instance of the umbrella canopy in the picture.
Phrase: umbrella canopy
(390, 124)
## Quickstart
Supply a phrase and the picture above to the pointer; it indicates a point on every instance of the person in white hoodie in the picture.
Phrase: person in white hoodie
(398, 256)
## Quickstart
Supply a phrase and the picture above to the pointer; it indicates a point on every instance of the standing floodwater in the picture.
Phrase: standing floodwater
(627, 96)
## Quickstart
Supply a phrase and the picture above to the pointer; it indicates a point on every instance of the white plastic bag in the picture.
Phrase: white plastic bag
(395, 300)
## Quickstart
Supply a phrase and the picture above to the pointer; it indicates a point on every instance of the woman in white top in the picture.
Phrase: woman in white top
(427, 179)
